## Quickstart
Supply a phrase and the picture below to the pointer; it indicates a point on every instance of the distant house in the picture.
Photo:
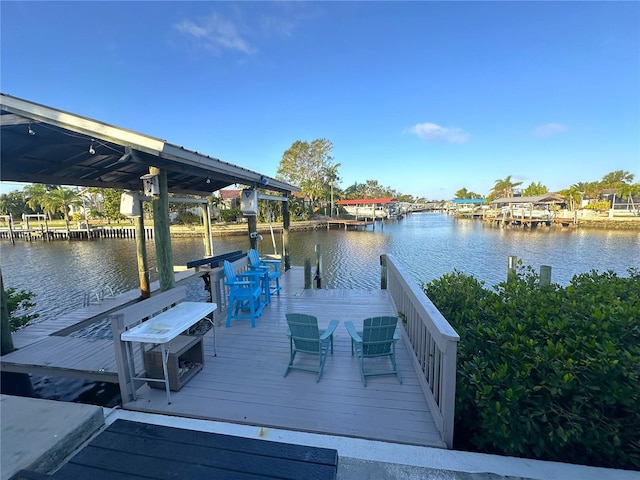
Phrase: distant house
(230, 198)
(618, 203)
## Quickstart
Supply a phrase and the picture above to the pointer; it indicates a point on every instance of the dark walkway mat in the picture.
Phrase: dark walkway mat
(132, 450)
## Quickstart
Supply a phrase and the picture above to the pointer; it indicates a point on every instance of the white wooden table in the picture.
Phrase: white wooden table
(163, 328)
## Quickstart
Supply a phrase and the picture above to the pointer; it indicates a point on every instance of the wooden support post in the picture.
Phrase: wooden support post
(11, 235)
(307, 273)
(162, 236)
(383, 272)
(512, 265)
(208, 238)
(286, 222)
(252, 221)
(141, 255)
(318, 276)
(6, 345)
(545, 275)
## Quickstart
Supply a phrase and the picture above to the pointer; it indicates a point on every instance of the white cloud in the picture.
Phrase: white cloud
(216, 33)
(549, 129)
(432, 131)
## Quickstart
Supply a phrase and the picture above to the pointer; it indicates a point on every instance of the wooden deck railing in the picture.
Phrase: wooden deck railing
(433, 341)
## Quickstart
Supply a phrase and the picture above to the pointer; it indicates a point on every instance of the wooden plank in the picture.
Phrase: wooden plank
(325, 456)
(153, 451)
(245, 382)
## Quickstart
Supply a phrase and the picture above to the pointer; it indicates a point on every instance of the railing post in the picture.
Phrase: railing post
(512, 265)
(307, 273)
(124, 376)
(318, 276)
(383, 272)
(448, 392)
(545, 275)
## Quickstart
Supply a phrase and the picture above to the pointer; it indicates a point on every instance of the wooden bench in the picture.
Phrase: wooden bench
(127, 318)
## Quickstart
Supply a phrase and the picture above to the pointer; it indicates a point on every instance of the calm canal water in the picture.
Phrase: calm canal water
(428, 245)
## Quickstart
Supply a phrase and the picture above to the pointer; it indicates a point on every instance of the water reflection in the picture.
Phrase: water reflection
(428, 245)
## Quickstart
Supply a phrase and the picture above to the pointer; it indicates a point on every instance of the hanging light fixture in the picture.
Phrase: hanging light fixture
(91, 150)
(31, 131)
(208, 180)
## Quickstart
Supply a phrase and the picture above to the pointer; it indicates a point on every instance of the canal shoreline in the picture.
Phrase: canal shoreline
(231, 229)
(126, 230)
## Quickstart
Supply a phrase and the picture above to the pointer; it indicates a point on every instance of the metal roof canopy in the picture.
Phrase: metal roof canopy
(41, 144)
(545, 198)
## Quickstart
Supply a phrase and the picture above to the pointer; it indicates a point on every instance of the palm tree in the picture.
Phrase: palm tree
(628, 192)
(331, 178)
(617, 179)
(504, 188)
(35, 196)
(59, 199)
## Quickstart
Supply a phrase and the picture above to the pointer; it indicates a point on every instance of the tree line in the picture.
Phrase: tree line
(620, 181)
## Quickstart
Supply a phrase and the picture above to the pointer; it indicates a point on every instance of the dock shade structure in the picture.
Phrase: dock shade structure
(41, 144)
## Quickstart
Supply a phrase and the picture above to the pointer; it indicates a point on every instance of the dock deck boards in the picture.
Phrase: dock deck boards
(245, 382)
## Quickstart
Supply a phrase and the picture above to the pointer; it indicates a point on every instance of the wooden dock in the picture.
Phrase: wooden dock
(245, 382)
(29, 234)
(349, 224)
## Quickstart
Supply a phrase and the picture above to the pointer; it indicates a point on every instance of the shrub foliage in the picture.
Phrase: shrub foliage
(18, 303)
(547, 372)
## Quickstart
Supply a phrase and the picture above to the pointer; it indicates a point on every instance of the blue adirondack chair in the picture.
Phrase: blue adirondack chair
(244, 295)
(377, 339)
(305, 337)
(272, 266)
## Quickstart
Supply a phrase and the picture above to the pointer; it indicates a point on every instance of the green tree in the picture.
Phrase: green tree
(534, 189)
(60, 199)
(331, 180)
(574, 197)
(111, 203)
(355, 191)
(616, 179)
(304, 164)
(588, 189)
(629, 191)
(464, 194)
(36, 198)
(13, 203)
(504, 187)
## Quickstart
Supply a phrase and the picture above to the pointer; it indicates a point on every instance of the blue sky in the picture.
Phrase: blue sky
(425, 97)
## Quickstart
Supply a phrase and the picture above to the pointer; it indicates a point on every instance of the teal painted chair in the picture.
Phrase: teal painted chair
(244, 296)
(377, 339)
(272, 266)
(305, 337)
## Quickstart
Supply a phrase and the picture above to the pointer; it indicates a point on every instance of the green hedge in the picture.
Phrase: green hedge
(547, 372)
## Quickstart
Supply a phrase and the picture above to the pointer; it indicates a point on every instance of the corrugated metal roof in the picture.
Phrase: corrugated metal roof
(546, 198)
(41, 144)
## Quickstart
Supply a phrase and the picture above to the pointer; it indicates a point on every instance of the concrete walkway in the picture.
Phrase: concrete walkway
(40, 435)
